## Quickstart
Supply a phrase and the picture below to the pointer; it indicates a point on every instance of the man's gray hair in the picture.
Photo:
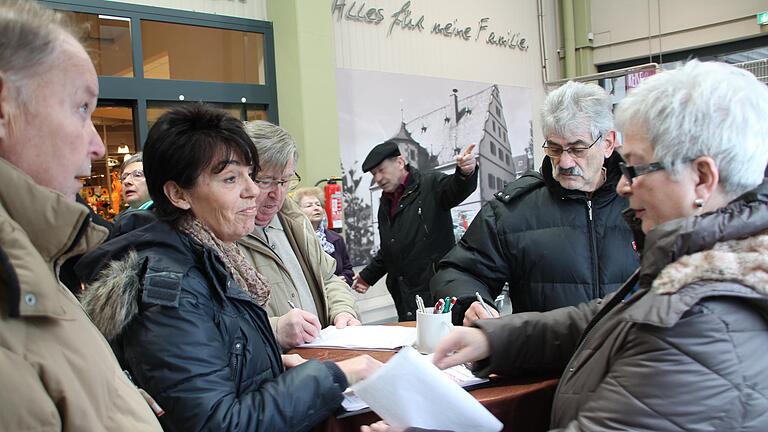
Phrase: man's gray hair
(703, 109)
(275, 146)
(31, 35)
(575, 107)
(138, 157)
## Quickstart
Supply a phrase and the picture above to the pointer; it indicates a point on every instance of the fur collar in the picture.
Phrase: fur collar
(111, 300)
(744, 261)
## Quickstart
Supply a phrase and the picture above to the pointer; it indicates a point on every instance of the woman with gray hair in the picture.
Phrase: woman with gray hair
(682, 345)
(310, 200)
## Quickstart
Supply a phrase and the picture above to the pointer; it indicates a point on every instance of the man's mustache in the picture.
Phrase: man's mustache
(572, 171)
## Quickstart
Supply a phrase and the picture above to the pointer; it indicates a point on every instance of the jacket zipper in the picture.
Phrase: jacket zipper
(422, 222)
(236, 363)
(593, 247)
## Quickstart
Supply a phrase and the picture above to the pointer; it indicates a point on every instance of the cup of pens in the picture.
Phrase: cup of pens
(432, 324)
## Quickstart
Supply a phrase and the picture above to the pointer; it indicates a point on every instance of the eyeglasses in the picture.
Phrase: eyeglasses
(137, 174)
(631, 171)
(577, 149)
(290, 184)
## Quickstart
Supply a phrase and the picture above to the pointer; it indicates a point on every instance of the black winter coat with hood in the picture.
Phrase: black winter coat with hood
(554, 246)
(195, 341)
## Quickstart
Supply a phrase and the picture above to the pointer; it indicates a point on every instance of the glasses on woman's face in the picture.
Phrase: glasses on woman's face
(577, 149)
(631, 171)
(137, 174)
(290, 184)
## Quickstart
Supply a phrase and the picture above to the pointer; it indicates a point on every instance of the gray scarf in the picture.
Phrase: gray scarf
(239, 268)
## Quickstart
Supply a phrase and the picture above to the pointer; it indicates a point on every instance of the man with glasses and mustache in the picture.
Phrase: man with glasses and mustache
(556, 237)
(306, 294)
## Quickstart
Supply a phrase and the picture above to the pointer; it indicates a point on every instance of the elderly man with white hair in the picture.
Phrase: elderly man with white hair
(306, 294)
(683, 344)
(58, 372)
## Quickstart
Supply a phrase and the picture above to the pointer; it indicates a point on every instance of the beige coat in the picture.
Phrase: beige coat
(331, 294)
(58, 372)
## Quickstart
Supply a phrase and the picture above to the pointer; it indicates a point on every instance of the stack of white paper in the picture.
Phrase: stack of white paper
(371, 337)
(409, 390)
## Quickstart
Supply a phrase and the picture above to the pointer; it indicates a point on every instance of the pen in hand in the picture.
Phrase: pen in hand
(482, 303)
(293, 306)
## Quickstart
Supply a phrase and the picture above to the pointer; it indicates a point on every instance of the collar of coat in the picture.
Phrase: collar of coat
(296, 227)
(54, 226)
(412, 181)
(150, 262)
(745, 216)
(744, 261)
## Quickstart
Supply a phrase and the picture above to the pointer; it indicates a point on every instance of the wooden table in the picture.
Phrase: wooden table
(521, 404)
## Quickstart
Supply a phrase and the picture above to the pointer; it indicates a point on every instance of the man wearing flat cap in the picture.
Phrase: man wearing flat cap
(415, 224)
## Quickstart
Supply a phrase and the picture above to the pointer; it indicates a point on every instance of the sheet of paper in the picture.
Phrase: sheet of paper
(351, 402)
(364, 337)
(410, 391)
(460, 374)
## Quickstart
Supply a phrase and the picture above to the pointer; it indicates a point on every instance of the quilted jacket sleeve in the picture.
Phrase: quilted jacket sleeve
(535, 342)
(178, 355)
(478, 263)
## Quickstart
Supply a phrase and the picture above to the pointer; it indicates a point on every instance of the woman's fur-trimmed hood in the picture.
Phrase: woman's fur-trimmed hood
(111, 300)
(744, 261)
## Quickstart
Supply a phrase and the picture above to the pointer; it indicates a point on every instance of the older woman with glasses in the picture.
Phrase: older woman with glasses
(182, 307)
(683, 344)
(310, 200)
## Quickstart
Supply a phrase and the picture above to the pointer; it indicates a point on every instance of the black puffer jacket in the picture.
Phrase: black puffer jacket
(555, 247)
(197, 342)
(417, 236)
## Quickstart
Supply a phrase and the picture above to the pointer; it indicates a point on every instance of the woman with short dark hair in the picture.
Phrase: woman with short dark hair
(182, 307)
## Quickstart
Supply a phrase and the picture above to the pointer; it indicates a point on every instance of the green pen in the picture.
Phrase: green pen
(447, 306)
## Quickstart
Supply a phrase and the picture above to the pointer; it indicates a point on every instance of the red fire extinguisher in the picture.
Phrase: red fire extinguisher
(333, 197)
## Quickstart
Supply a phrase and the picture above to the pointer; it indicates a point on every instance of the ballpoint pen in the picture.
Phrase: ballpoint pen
(293, 306)
(482, 303)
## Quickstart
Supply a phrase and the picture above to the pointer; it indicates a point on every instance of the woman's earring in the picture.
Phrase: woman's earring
(698, 203)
